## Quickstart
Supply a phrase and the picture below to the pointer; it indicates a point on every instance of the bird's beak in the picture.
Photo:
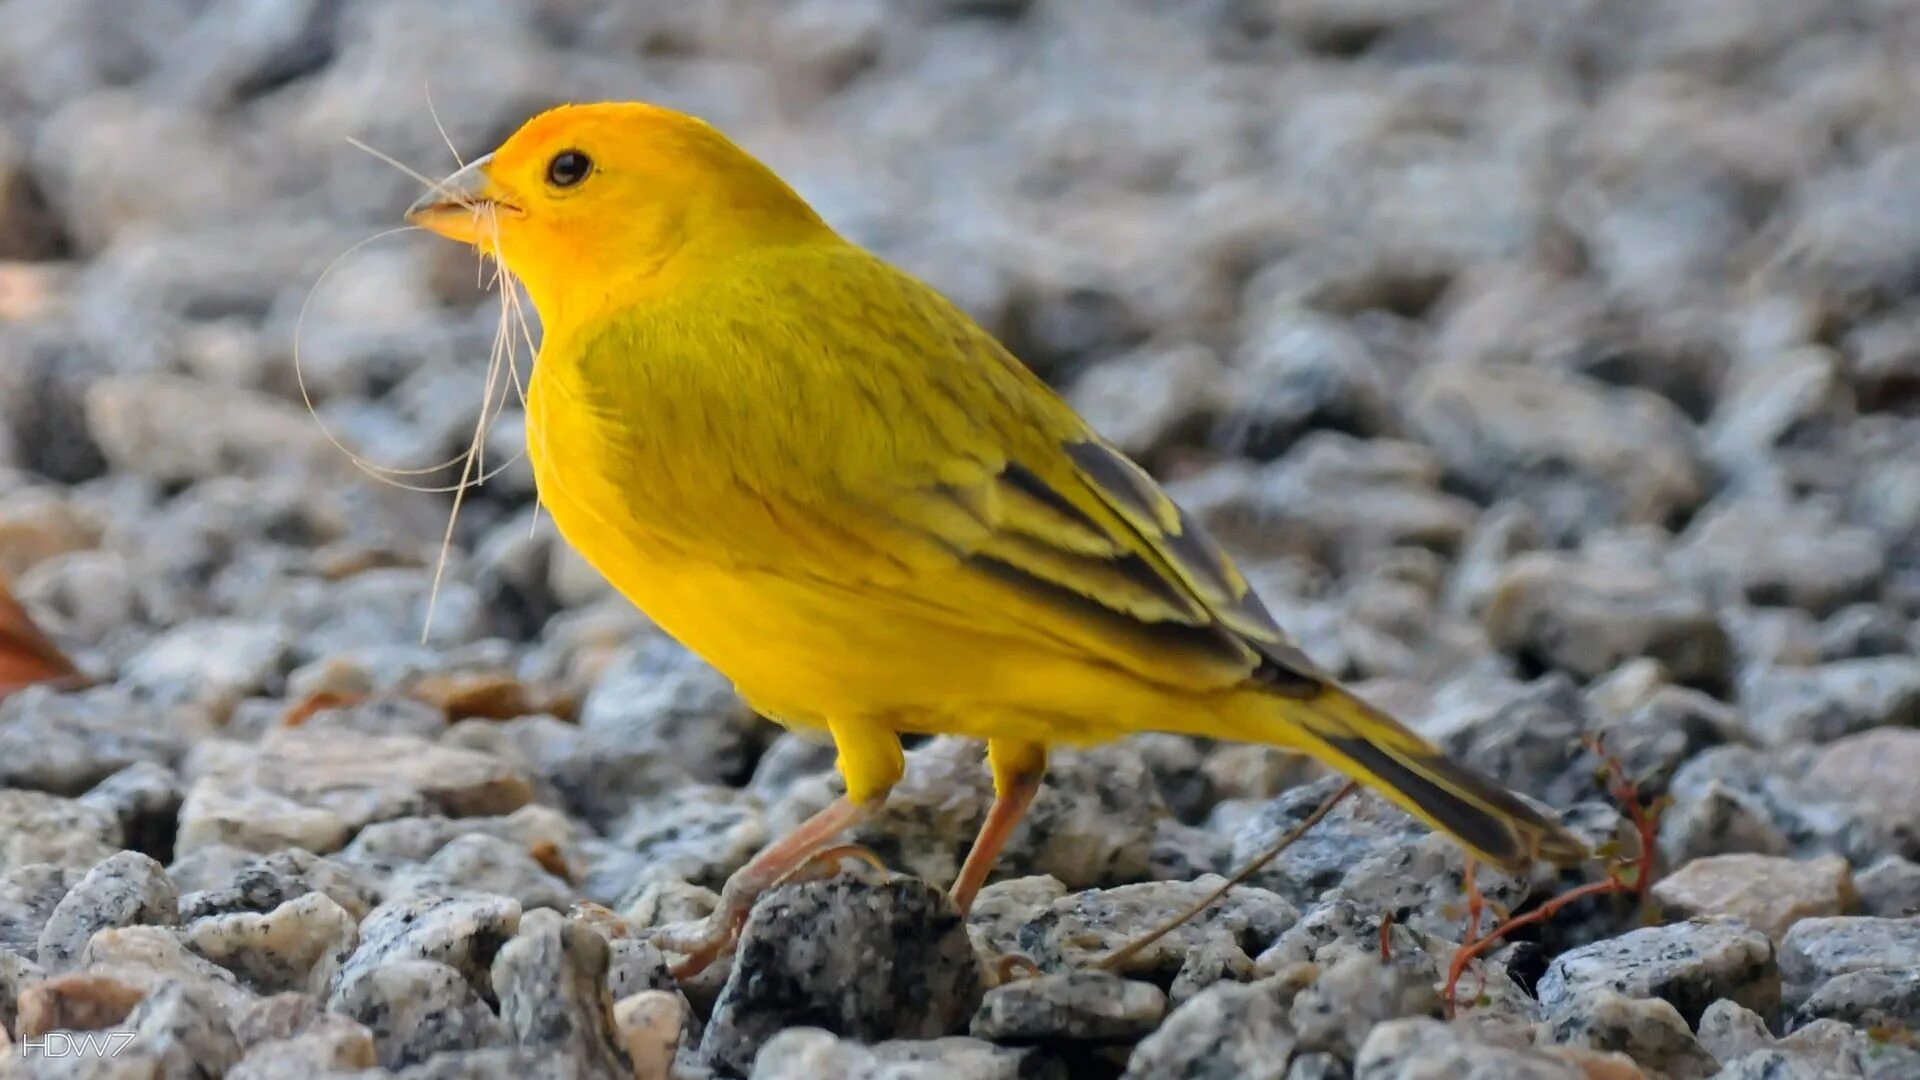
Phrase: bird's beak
(456, 206)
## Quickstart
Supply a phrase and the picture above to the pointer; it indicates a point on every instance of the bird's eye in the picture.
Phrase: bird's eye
(568, 168)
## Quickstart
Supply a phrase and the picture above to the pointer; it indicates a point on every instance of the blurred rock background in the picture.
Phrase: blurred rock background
(1554, 367)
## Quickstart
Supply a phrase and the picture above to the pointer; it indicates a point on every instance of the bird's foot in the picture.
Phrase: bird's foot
(1008, 967)
(825, 863)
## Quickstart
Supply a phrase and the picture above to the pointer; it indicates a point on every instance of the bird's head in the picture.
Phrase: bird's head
(598, 200)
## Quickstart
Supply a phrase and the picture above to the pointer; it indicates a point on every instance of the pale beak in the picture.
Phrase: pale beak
(455, 206)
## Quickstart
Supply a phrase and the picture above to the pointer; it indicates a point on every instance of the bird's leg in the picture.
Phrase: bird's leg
(1017, 769)
(871, 762)
(716, 935)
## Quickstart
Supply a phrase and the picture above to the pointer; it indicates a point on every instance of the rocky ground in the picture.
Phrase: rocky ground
(1555, 368)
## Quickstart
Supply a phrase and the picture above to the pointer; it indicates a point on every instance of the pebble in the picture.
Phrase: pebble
(1067, 931)
(1863, 772)
(1353, 995)
(65, 743)
(1890, 888)
(480, 865)
(1415, 1048)
(262, 883)
(1585, 617)
(843, 953)
(1850, 965)
(1766, 892)
(1076, 1006)
(417, 1008)
(1229, 1031)
(807, 1053)
(37, 828)
(461, 933)
(1824, 703)
(299, 945)
(127, 889)
(304, 789)
(1648, 1030)
(551, 980)
(1689, 965)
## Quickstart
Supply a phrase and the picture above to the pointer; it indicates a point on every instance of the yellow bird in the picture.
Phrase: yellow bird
(829, 482)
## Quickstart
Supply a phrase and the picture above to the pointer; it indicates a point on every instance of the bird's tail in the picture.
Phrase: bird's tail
(1344, 732)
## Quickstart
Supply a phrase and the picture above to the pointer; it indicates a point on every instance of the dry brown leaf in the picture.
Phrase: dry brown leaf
(26, 655)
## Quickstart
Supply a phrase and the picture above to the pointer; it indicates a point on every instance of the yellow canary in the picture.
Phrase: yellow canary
(828, 481)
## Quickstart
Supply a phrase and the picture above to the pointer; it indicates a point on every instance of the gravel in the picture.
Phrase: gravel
(1550, 369)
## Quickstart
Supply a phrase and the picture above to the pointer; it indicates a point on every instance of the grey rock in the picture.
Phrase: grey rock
(216, 660)
(281, 1017)
(1209, 965)
(1791, 555)
(481, 865)
(843, 953)
(1728, 1030)
(330, 1053)
(296, 785)
(463, 934)
(552, 983)
(1650, 1031)
(1890, 888)
(1147, 400)
(656, 718)
(805, 1053)
(1865, 999)
(1861, 772)
(1076, 1006)
(1076, 928)
(28, 895)
(1577, 453)
(1296, 370)
(1318, 1065)
(1414, 1048)
(1689, 965)
(1768, 893)
(1864, 630)
(65, 743)
(1824, 703)
(127, 889)
(145, 799)
(16, 974)
(1353, 995)
(297, 946)
(261, 883)
(1586, 617)
(1224, 1032)
(140, 421)
(387, 849)
(417, 1008)
(700, 835)
(1815, 951)
(1714, 818)
(146, 957)
(185, 1031)
(37, 828)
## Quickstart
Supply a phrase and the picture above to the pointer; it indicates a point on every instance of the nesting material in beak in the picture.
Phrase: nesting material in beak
(456, 207)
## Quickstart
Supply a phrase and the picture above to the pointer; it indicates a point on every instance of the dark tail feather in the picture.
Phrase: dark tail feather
(1377, 750)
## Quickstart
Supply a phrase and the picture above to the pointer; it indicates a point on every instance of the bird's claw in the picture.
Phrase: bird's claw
(825, 863)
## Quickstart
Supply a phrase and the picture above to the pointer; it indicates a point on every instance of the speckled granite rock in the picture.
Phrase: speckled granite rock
(28, 895)
(1890, 888)
(1856, 969)
(844, 953)
(297, 788)
(1227, 1032)
(1769, 894)
(1648, 1030)
(1077, 1006)
(1418, 1047)
(127, 889)
(463, 934)
(802, 1053)
(417, 1008)
(481, 865)
(299, 945)
(551, 980)
(1352, 995)
(1070, 930)
(1689, 965)
(260, 884)
(37, 828)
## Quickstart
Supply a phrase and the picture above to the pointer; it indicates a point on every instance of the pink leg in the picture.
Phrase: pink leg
(715, 936)
(1017, 769)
